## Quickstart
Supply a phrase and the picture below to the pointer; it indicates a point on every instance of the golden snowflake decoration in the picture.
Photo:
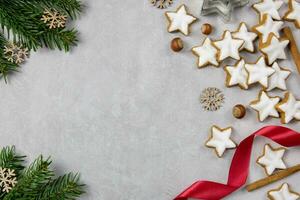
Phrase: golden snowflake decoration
(161, 3)
(212, 99)
(54, 19)
(15, 53)
(8, 179)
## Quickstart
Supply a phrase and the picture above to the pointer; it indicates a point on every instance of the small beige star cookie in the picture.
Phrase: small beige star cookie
(284, 192)
(180, 20)
(267, 26)
(237, 75)
(220, 140)
(293, 13)
(265, 106)
(272, 159)
(277, 80)
(207, 54)
(248, 37)
(259, 72)
(269, 7)
(228, 47)
(289, 108)
(274, 48)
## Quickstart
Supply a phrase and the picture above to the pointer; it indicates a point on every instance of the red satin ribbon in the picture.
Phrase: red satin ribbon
(239, 168)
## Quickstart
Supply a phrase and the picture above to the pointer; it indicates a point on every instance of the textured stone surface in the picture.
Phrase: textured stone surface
(124, 110)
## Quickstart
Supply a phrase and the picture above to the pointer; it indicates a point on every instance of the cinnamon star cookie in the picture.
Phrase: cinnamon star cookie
(269, 7)
(237, 75)
(272, 159)
(293, 13)
(248, 37)
(228, 47)
(220, 140)
(267, 26)
(259, 72)
(289, 108)
(283, 193)
(265, 106)
(180, 20)
(207, 54)
(277, 80)
(274, 48)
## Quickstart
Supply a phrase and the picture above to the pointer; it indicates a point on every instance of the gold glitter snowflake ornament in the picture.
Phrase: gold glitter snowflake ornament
(8, 179)
(15, 53)
(54, 19)
(212, 99)
(161, 3)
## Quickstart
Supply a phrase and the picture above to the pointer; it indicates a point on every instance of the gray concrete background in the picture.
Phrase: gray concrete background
(124, 110)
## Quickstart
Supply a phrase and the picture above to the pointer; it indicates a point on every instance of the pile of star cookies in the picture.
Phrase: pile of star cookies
(271, 159)
(266, 71)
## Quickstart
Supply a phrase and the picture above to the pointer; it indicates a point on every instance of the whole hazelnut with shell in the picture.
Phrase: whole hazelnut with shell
(206, 29)
(239, 111)
(177, 44)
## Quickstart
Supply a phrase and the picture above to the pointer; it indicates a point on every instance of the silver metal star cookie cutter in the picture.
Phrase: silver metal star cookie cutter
(222, 7)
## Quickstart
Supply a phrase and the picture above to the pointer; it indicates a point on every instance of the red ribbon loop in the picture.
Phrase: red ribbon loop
(239, 169)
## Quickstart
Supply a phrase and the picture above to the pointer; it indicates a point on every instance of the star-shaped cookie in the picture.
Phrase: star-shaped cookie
(289, 108)
(259, 72)
(277, 80)
(272, 159)
(228, 47)
(237, 75)
(180, 20)
(265, 106)
(207, 54)
(293, 13)
(220, 140)
(274, 48)
(283, 193)
(269, 7)
(267, 26)
(248, 37)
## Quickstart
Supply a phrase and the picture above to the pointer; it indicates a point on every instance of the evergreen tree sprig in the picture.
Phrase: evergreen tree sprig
(37, 181)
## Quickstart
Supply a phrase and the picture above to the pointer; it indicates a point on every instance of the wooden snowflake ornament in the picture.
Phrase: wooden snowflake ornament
(212, 99)
(162, 4)
(8, 179)
(54, 19)
(15, 53)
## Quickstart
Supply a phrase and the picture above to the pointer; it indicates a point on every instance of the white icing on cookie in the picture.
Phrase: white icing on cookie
(265, 106)
(237, 75)
(180, 20)
(275, 49)
(259, 72)
(294, 12)
(277, 80)
(289, 108)
(228, 47)
(207, 53)
(248, 37)
(220, 140)
(272, 159)
(268, 26)
(269, 7)
(283, 193)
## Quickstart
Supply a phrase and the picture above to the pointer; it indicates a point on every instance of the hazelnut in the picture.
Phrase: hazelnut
(206, 29)
(239, 111)
(177, 44)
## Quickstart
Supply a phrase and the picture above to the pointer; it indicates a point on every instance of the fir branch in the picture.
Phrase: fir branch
(31, 180)
(66, 187)
(9, 159)
(22, 20)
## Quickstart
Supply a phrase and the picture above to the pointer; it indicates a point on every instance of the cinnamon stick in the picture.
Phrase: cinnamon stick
(293, 46)
(273, 178)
